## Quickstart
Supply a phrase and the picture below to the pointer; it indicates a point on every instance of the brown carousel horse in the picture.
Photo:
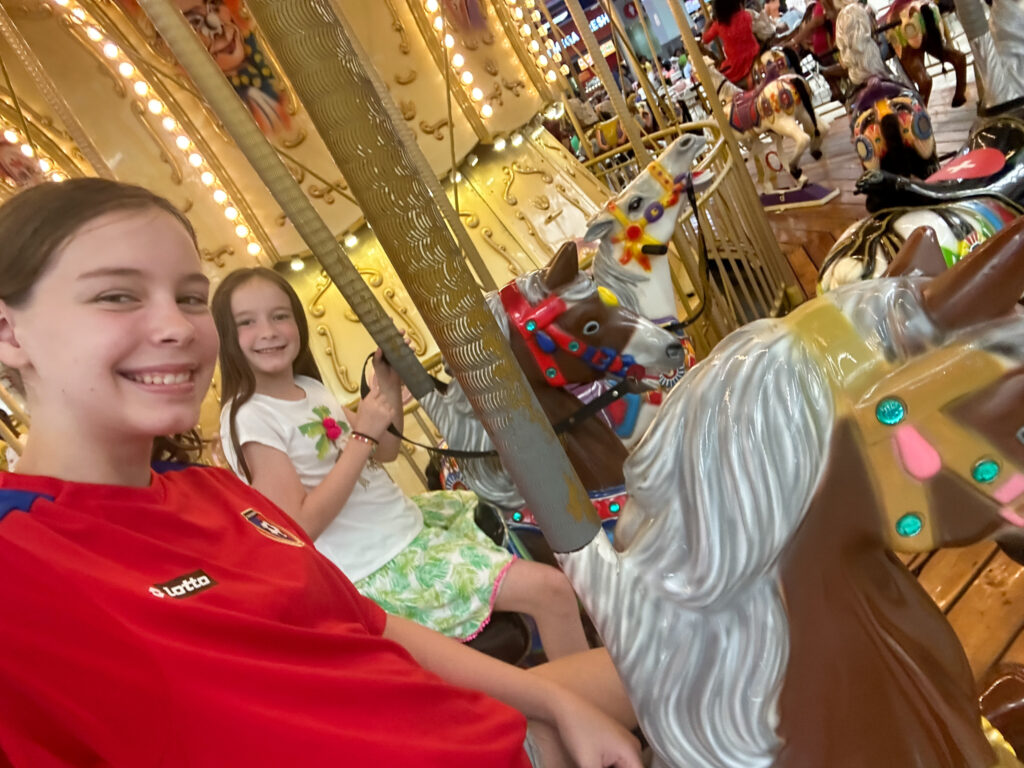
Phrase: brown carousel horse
(917, 29)
(752, 601)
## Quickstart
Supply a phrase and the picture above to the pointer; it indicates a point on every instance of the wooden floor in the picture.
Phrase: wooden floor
(979, 588)
(807, 234)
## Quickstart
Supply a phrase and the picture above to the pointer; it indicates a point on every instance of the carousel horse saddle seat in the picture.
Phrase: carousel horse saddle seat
(743, 114)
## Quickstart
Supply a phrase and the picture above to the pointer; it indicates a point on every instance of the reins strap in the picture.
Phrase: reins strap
(702, 261)
(582, 413)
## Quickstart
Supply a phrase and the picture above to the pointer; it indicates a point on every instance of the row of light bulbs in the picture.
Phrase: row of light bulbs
(155, 106)
(46, 166)
(535, 36)
(457, 59)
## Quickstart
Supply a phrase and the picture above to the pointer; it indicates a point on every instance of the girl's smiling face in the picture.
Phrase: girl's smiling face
(115, 343)
(267, 332)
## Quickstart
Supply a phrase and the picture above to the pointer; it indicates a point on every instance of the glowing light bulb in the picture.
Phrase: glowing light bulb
(254, 249)
(351, 241)
(476, 94)
(241, 230)
(195, 159)
(499, 144)
(550, 76)
(155, 106)
(518, 13)
(141, 88)
(530, 3)
(472, 160)
(517, 139)
(296, 264)
(556, 56)
(486, 110)
(44, 165)
(564, 69)
(431, 6)
(207, 178)
(93, 34)
(57, 177)
(534, 46)
(219, 195)
(183, 142)
(230, 213)
(79, 14)
(467, 77)
(542, 60)
(11, 136)
(449, 41)
(535, 16)
(62, 2)
(126, 69)
(110, 51)
(525, 30)
(458, 60)
(169, 124)
(438, 23)
(27, 151)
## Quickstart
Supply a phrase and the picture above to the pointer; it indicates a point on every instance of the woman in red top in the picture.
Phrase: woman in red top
(734, 27)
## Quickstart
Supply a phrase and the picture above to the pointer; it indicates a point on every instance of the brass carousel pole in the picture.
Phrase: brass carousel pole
(645, 82)
(13, 37)
(749, 200)
(345, 102)
(239, 123)
(641, 14)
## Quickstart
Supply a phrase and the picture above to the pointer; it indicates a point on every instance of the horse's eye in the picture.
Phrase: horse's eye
(635, 204)
(1020, 434)
(591, 328)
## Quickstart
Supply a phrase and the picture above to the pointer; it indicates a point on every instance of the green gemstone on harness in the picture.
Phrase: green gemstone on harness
(909, 525)
(891, 411)
(985, 471)
(517, 517)
(531, 325)
(614, 507)
(574, 346)
(551, 373)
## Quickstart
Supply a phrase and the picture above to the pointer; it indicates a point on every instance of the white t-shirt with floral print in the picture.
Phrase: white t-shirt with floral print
(377, 522)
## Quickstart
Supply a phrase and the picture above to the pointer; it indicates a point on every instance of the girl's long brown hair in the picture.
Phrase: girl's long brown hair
(237, 382)
(36, 223)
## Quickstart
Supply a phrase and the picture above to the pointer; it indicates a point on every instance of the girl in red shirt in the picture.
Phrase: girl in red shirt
(734, 27)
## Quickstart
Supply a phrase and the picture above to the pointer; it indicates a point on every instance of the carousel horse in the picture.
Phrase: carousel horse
(781, 107)
(776, 61)
(864, 251)
(917, 29)
(562, 329)
(891, 129)
(751, 600)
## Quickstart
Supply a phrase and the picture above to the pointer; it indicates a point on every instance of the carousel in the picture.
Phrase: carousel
(742, 358)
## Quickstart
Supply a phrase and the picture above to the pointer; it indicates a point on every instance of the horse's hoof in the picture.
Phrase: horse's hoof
(816, 154)
(959, 100)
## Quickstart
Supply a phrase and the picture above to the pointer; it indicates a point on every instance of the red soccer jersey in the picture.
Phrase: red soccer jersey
(192, 623)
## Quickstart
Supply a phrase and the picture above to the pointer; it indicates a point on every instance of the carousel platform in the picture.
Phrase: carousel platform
(807, 234)
(979, 588)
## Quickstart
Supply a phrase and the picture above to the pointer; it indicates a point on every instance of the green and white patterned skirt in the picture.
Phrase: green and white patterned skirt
(448, 576)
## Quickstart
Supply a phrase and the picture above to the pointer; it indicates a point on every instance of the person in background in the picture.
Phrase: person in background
(733, 27)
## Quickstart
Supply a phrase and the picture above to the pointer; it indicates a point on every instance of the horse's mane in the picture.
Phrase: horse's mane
(718, 486)
(621, 282)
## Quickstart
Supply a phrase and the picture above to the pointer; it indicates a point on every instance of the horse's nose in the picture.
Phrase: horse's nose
(674, 350)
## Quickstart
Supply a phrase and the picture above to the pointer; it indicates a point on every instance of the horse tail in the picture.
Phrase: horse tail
(934, 40)
(793, 60)
(805, 96)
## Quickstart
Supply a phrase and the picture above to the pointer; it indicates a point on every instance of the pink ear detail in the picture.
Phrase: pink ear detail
(919, 458)
(1010, 490)
(1011, 517)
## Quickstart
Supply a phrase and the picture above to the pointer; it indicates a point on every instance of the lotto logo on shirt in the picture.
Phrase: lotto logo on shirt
(270, 530)
(183, 586)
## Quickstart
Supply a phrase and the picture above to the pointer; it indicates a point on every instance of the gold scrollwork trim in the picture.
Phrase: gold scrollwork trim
(407, 78)
(515, 86)
(490, 67)
(533, 231)
(323, 282)
(572, 200)
(408, 109)
(496, 96)
(510, 172)
(399, 27)
(502, 250)
(340, 370)
(541, 202)
(472, 220)
(216, 257)
(434, 129)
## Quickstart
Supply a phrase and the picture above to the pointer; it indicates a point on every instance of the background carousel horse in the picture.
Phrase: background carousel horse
(751, 601)
(562, 328)
(781, 107)
(918, 29)
(866, 248)
(891, 129)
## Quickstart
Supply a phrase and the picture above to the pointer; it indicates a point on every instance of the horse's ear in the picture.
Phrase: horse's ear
(600, 227)
(563, 268)
(983, 286)
(921, 254)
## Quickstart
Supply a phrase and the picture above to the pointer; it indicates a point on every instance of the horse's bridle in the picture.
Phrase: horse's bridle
(544, 337)
(901, 418)
(637, 244)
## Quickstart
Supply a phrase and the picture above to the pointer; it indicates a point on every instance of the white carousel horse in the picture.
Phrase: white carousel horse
(751, 601)
(780, 107)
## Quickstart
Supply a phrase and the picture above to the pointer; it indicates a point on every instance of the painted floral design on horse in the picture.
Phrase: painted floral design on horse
(891, 129)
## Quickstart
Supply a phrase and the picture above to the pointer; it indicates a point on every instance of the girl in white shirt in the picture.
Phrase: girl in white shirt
(285, 434)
